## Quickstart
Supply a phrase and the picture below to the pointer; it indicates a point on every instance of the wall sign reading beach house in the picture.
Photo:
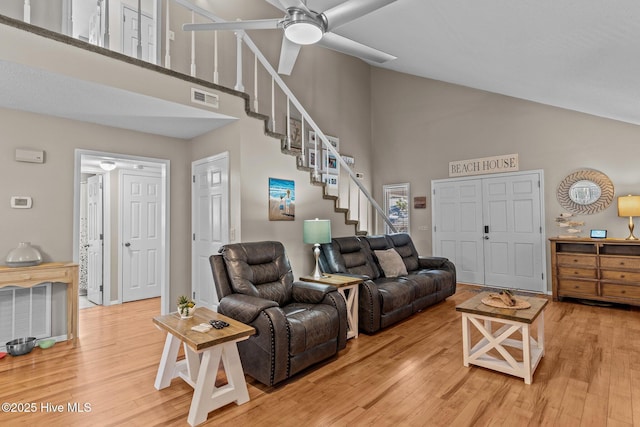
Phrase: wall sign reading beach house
(496, 164)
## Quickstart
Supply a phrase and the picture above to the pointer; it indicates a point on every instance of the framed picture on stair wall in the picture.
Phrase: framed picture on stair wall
(295, 137)
(326, 162)
(330, 179)
(282, 199)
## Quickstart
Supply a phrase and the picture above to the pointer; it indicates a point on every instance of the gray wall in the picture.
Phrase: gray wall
(421, 125)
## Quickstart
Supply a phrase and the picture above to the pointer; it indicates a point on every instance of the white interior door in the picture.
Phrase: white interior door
(491, 229)
(130, 35)
(142, 235)
(457, 222)
(94, 239)
(210, 222)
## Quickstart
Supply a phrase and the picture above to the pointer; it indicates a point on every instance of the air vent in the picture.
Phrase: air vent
(199, 96)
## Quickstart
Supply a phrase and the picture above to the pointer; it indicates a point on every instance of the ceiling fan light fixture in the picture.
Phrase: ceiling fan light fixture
(302, 29)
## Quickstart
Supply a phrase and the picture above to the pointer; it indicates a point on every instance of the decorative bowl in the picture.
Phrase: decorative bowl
(21, 346)
(24, 255)
(46, 343)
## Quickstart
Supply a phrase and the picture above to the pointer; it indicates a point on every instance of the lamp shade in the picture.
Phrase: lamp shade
(316, 231)
(629, 205)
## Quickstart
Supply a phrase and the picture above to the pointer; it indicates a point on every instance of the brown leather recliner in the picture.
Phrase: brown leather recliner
(297, 323)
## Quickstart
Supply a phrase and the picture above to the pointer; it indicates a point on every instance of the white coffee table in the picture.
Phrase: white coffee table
(510, 321)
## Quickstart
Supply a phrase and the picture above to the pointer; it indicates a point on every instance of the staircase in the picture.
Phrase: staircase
(349, 195)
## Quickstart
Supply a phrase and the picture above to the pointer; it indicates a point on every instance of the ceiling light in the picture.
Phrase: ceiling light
(108, 165)
(302, 28)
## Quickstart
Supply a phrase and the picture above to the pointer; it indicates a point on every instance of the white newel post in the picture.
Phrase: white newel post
(27, 11)
(193, 46)
(167, 47)
(239, 86)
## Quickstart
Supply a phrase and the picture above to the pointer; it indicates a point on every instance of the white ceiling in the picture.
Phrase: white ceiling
(582, 55)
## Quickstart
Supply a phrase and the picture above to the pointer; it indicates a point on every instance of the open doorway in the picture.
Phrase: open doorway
(121, 227)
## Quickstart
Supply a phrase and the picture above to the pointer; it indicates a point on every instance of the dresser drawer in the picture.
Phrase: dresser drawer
(620, 262)
(576, 287)
(620, 291)
(579, 260)
(587, 273)
(621, 276)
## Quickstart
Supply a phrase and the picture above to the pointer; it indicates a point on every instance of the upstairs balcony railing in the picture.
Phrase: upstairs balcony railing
(92, 21)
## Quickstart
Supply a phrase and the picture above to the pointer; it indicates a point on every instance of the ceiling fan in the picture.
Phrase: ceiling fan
(303, 26)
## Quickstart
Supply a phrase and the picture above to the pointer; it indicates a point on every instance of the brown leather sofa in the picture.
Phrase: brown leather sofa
(384, 300)
(297, 323)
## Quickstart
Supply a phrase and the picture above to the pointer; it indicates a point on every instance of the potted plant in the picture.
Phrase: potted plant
(186, 307)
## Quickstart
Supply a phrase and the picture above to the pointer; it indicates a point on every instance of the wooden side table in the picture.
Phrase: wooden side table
(54, 272)
(204, 352)
(475, 313)
(348, 288)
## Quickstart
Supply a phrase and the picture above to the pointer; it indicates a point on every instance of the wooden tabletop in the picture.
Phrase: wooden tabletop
(528, 315)
(336, 280)
(181, 328)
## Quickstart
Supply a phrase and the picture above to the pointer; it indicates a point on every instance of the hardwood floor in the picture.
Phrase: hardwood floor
(409, 374)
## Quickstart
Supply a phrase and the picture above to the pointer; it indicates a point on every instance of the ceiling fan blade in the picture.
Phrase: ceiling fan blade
(350, 10)
(353, 48)
(258, 24)
(286, 4)
(288, 55)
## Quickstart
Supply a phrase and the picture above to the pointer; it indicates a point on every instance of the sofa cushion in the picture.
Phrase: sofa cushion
(403, 244)
(391, 263)
(394, 294)
(349, 255)
(259, 269)
(310, 325)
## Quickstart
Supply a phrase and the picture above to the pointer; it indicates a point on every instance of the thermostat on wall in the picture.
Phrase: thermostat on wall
(21, 202)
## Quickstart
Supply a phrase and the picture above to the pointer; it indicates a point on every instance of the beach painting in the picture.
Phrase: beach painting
(282, 200)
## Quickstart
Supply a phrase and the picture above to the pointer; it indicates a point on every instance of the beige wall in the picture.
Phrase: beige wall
(420, 125)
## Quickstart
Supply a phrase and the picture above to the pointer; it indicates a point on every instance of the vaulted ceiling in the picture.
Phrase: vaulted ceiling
(582, 55)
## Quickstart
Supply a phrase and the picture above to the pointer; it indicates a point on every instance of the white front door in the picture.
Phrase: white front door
(210, 222)
(458, 227)
(142, 235)
(94, 239)
(491, 229)
(513, 248)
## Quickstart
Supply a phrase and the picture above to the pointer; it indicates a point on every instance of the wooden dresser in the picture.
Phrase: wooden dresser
(596, 269)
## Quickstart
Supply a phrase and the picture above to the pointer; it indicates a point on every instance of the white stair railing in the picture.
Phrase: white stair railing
(358, 198)
(360, 203)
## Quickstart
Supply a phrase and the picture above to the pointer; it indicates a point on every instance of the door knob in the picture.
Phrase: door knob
(485, 237)
(127, 244)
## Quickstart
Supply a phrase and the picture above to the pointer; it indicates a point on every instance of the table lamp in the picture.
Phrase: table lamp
(629, 206)
(315, 232)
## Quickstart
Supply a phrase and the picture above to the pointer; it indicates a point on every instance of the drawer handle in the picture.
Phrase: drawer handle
(623, 292)
(622, 263)
(576, 287)
(622, 276)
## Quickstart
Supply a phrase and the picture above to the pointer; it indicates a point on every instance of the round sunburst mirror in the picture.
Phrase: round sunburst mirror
(585, 192)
